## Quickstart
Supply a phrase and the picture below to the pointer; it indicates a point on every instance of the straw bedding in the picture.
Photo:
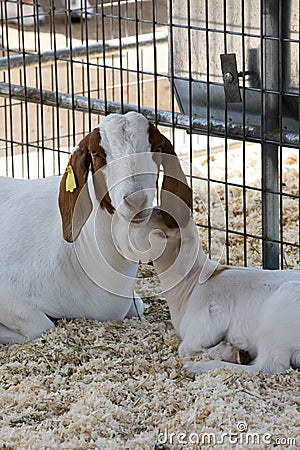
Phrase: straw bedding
(90, 385)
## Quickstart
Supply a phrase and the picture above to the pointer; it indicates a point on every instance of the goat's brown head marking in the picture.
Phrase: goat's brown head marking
(88, 154)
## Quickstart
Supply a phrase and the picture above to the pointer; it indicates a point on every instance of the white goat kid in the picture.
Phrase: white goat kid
(44, 274)
(220, 308)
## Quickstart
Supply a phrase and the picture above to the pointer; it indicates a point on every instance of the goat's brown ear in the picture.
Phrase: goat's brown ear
(99, 161)
(77, 169)
(175, 211)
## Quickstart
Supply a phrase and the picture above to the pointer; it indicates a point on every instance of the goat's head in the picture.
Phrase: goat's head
(155, 239)
(176, 252)
(124, 153)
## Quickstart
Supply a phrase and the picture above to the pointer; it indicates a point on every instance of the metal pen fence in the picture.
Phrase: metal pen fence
(220, 77)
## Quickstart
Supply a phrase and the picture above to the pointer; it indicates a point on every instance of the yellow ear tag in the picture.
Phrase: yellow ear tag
(70, 181)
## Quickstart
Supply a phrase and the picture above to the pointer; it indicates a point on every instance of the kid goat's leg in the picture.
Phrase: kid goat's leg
(277, 336)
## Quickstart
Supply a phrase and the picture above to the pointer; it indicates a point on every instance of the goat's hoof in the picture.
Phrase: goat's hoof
(241, 356)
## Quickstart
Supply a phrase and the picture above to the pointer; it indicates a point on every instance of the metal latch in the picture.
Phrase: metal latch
(230, 78)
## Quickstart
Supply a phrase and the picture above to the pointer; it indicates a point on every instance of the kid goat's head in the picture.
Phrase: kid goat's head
(124, 154)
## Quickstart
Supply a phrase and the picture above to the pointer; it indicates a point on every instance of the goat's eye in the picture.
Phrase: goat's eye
(98, 158)
(98, 155)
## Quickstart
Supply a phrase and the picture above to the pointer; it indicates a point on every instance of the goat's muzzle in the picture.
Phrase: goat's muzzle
(136, 200)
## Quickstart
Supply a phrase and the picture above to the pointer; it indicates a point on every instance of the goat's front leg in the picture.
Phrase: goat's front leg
(223, 350)
(22, 324)
(224, 355)
(8, 336)
(137, 307)
(203, 329)
(230, 353)
(271, 358)
(227, 352)
(205, 366)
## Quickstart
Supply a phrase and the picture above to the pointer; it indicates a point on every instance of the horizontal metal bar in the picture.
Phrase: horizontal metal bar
(198, 125)
(242, 234)
(96, 49)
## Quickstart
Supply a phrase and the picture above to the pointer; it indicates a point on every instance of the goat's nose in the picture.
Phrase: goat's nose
(136, 200)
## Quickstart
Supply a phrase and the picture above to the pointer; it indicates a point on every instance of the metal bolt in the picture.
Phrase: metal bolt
(228, 77)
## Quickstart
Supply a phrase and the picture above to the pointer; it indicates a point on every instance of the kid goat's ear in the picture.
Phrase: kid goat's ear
(74, 184)
(176, 195)
(177, 210)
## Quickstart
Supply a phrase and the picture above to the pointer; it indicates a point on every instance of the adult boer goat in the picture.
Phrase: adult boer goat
(59, 255)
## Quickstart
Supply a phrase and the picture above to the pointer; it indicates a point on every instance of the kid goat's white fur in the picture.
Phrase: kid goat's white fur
(59, 257)
(218, 308)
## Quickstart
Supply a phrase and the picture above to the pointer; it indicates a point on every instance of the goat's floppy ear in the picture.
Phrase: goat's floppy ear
(175, 211)
(98, 161)
(74, 184)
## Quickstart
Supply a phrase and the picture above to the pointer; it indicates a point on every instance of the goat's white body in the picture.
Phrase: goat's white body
(252, 309)
(40, 273)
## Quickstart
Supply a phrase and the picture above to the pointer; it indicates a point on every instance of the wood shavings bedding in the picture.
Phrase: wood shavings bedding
(86, 385)
(90, 385)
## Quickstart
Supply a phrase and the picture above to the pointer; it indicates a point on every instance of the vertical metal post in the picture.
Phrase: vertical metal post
(270, 200)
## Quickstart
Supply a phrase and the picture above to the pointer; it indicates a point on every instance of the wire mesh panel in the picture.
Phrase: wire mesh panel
(62, 65)
(221, 79)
